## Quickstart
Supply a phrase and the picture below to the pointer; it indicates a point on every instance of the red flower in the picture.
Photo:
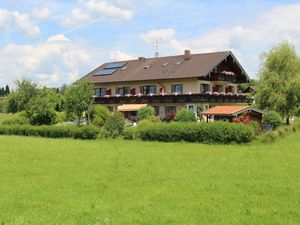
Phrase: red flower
(235, 120)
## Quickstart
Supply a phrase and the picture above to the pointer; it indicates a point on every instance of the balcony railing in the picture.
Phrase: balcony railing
(172, 98)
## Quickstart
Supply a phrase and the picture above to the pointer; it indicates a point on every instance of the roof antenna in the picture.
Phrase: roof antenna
(155, 44)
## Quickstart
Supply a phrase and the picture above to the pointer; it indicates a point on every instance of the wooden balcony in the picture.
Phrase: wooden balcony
(171, 98)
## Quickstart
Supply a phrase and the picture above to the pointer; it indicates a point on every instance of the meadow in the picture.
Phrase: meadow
(118, 182)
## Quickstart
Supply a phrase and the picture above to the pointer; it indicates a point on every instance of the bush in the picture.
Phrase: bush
(61, 117)
(217, 132)
(3, 106)
(269, 137)
(256, 126)
(41, 108)
(272, 118)
(114, 124)
(85, 132)
(185, 115)
(98, 121)
(16, 121)
(100, 111)
(145, 113)
(129, 133)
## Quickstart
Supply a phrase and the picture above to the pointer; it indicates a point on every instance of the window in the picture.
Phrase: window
(204, 88)
(177, 88)
(122, 90)
(147, 66)
(156, 108)
(165, 64)
(100, 91)
(148, 89)
(218, 88)
(190, 107)
(170, 109)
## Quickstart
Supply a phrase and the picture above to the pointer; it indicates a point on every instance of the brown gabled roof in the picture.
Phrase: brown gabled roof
(198, 65)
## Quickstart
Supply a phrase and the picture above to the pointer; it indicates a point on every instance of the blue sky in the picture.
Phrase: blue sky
(55, 42)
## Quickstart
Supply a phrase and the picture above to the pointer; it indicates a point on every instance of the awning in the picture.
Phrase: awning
(130, 107)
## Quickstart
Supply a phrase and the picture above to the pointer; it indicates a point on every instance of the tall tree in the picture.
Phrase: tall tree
(24, 91)
(7, 90)
(279, 83)
(79, 98)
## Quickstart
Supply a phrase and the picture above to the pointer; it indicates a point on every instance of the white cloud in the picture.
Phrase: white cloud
(96, 9)
(49, 63)
(22, 21)
(43, 13)
(58, 38)
(118, 55)
(160, 34)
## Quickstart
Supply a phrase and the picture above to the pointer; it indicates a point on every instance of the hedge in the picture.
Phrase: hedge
(84, 132)
(217, 132)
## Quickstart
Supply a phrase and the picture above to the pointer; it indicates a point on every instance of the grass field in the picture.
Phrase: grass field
(47, 181)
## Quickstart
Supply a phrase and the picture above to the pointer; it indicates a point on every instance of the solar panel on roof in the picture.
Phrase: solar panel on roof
(105, 72)
(115, 65)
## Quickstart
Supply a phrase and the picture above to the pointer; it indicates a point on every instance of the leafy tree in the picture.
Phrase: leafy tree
(145, 112)
(18, 100)
(272, 118)
(41, 108)
(185, 115)
(7, 90)
(279, 83)
(78, 98)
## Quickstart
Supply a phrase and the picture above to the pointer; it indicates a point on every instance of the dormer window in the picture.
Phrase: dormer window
(165, 64)
(147, 66)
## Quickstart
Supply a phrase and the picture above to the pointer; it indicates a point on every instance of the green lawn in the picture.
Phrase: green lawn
(46, 181)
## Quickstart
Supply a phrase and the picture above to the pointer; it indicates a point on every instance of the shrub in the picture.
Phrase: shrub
(217, 132)
(100, 111)
(41, 108)
(145, 112)
(98, 121)
(269, 137)
(85, 132)
(129, 133)
(61, 117)
(114, 124)
(16, 121)
(272, 118)
(256, 126)
(185, 115)
(3, 106)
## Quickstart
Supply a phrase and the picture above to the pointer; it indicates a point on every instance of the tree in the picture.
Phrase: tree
(78, 98)
(145, 112)
(279, 83)
(185, 115)
(18, 100)
(41, 108)
(7, 90)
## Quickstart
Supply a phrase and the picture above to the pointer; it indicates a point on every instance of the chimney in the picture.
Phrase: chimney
(187, 54)
(142, 59)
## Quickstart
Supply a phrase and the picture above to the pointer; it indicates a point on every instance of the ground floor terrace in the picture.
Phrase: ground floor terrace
(170, 104)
